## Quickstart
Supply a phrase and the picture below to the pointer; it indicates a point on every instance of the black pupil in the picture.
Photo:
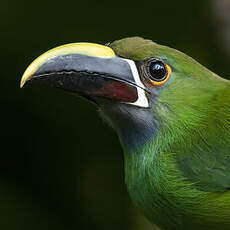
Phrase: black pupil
(157, 71)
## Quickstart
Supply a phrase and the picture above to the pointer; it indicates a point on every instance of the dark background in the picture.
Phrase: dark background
(60, 166)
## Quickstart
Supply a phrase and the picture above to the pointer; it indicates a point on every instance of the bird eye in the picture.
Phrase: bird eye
(158, 71)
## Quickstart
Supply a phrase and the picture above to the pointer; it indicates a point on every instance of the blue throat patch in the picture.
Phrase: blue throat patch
(135, 126)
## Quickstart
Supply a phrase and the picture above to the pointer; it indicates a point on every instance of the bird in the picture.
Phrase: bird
(172, 117)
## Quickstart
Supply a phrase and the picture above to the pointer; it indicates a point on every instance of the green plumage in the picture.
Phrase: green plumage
(180, 179)
(172, 116)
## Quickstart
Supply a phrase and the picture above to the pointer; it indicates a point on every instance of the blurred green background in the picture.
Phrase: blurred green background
(60, 166)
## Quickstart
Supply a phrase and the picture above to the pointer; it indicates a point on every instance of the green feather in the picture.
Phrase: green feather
(180, 179)
(177, 159)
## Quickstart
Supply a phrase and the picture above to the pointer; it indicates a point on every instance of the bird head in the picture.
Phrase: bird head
(140, 87)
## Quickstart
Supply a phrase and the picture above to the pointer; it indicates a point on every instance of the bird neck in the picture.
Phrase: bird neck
(159, 188)
(151, 177)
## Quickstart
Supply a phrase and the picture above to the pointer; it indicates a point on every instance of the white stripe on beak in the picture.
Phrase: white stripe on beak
(142, 100)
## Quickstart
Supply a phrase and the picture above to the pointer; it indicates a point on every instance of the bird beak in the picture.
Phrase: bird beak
(89, 70)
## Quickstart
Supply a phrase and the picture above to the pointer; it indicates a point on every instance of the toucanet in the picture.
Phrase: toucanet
(172, 116)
